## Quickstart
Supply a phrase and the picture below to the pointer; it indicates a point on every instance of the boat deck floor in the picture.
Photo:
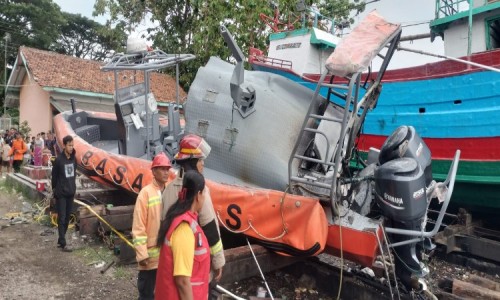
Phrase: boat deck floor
(107, 145)
(111, 146)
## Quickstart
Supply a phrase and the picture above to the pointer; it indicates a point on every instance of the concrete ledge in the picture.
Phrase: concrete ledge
(24, 185)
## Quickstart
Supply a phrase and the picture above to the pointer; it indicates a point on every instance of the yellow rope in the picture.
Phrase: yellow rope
(104, 221)
(53, 220)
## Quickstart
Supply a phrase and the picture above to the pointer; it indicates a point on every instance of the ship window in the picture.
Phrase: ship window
(493, 33)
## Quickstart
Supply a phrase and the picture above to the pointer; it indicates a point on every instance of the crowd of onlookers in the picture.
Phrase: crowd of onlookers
(18, 150)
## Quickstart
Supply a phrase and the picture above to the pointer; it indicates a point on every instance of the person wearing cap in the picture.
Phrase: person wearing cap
(192, 152)
(146, 224)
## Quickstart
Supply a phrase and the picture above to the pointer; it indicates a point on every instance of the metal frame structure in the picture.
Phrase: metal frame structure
(354, 113)
(147, 61)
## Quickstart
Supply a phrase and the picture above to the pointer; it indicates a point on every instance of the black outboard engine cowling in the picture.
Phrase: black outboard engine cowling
(400, 189)
(405, 142)
(401, 182)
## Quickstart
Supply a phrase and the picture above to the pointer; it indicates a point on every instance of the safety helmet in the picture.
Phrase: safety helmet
(161, 160)
(192, 146)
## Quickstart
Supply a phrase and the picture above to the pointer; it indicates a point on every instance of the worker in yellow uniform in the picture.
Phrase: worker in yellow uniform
(192, 152)
(145, 226)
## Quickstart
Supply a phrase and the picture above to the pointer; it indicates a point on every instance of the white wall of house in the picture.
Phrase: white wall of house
(34, 107)
(456, 36)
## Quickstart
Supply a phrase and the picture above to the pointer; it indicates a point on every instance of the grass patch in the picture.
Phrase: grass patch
(94, 254)
(21, 191)
(26, 192)
(122, 272)
(4, 186)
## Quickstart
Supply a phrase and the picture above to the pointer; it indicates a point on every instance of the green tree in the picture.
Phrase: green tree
(192, 26)
(25, 129)
(340, 10)
(32, 23)
(41, 24)
(85, 38)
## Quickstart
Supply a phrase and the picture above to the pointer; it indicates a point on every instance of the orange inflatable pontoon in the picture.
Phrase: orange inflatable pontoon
(289, 224)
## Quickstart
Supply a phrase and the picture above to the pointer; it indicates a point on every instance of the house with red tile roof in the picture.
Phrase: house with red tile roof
(42, 83)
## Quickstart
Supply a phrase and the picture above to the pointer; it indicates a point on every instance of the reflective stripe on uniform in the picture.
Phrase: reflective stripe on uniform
(167, 243)
(140, 240)
(216, 248)
(154, 252)
(200, 252)
(153, 201)
(193, 226)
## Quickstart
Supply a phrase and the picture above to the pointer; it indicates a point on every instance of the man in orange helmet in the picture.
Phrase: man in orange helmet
(145, 226)
(192, 152)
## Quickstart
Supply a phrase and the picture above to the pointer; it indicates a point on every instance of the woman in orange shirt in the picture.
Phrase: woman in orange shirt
(18, 149)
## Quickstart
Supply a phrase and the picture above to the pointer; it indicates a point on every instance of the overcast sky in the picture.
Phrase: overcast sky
(406, 12)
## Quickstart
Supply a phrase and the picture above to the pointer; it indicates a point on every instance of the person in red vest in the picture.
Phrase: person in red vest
(184, 265)
(193, 150)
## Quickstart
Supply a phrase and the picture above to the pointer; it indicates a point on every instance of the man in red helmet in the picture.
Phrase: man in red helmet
(192, 152)
(145, 226)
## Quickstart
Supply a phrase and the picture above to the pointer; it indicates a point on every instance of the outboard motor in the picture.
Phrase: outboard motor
(405, 142)
(401, 182)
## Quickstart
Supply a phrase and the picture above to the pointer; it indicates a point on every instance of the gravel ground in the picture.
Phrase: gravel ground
(31, 267)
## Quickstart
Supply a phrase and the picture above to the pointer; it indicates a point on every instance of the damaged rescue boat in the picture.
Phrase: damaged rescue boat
(278, 170)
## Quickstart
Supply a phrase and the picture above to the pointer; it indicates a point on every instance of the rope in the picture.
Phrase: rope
(391, 261)
(260, 270)
(223, 290)
(250, 225)
(105, 222)
(109, 174)
(341, 257)
(385, 265)
(108, 241)
(451, 58)
(53, 220)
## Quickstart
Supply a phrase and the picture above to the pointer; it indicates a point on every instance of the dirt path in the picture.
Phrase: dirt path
(32, 267)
